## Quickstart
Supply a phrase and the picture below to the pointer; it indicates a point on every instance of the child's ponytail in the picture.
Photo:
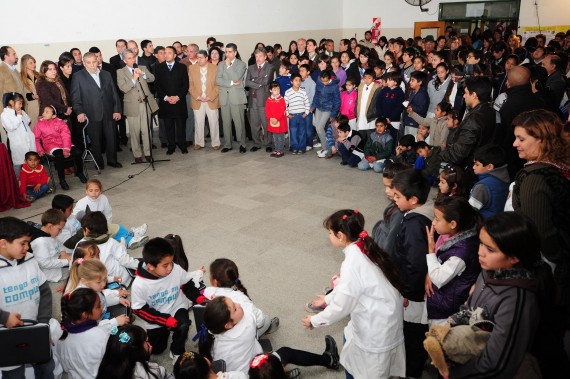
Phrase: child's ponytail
(351, 224)
(225, 271)
(74, 304)
(216, 316)
(86, 269)
(180, 257)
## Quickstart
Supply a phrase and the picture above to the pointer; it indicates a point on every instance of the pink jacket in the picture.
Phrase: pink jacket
(348, 104)
(54, 134)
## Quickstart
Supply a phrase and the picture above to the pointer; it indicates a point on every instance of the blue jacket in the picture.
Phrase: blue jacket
(389, 103)
(419, 101)
(327, 98)
(490, 193)
(284, 83)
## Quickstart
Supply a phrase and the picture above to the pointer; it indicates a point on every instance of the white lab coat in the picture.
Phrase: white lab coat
(19, 133)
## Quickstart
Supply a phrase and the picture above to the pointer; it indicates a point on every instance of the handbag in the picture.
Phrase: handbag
(30, 343)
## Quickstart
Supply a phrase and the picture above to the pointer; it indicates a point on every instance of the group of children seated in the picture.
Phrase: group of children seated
(51, 137)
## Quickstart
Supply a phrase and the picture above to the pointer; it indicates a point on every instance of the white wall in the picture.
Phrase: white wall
(53, 26)
(45, 28)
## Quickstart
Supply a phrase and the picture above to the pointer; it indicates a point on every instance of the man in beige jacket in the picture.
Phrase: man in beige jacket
(132, 81)
(204, 100)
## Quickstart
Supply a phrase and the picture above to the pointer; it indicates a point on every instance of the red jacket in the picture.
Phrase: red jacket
(275, 108)
(54, 134)
(30, 178)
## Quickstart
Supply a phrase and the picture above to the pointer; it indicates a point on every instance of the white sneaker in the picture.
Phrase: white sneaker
(139, 231)
(137, 241)
(322, 153)
(318, 144)
(308, 148)
(174, 357)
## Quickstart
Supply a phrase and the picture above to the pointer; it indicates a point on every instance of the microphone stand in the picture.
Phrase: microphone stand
(148, 127)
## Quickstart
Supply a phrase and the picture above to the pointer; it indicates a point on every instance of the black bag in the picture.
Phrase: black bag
(21, 345)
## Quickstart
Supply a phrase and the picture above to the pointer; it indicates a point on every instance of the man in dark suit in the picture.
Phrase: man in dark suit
(257, 78)
(94, 96)
(116, 60)
(104, 66)
(171, 85)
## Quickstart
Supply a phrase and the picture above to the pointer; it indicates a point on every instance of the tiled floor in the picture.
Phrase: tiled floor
(264, 213)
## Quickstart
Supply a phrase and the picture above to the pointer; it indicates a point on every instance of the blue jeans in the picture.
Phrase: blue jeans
(309, 129)
(297, 132)
(43, 189)
(377, 166)
(41, 371)
(347, 156)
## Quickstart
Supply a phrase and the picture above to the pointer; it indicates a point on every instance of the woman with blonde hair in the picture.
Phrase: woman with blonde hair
(29, 77)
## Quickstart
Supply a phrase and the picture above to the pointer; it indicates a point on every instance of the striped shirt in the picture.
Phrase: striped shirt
(297, 101)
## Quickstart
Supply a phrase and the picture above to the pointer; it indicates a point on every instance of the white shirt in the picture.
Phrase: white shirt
(374, 305)
(72, 226)
(238, 345)
(363, 123)
(116, 259)
(47, 250)
(441, 274)
(96, 77)
(237, 297)
(80, 354)
(100, 204)
(162, 294)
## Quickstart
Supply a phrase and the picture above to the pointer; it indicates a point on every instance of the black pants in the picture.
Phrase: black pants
(175, 132)
(302, 358)
(158, 337)
(416, 355)
(75, 153)
(99, 132)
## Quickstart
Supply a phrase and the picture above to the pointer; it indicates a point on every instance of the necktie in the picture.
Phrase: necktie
(169, 67)
(258, 69)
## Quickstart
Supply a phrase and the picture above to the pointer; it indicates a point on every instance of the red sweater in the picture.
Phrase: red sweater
(30, 178)
(275, 108)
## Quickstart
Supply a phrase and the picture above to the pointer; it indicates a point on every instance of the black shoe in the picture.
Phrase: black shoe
(82, 178)
(119, 148)
(226, 149)
(170, 152)
(254, 149)
(268, 149)
(343, 163)
(163, 145)
(332, 351)
(242, 149)
(148, 158)
(115, 164)
(64, 184)
(184, 150)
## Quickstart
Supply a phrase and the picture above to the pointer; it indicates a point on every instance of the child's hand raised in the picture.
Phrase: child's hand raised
(306, 321)
(202, 268)
(122, 320)
(431, 239)
(124, 302)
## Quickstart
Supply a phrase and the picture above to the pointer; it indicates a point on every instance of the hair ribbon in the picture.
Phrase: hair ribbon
(202, 334)
(259, 360)
(124, 337)
(114, 330)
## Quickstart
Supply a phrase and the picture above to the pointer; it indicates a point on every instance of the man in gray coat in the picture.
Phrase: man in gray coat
(138, 102)
(258, 77)
(230, 79)
(94, 96)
